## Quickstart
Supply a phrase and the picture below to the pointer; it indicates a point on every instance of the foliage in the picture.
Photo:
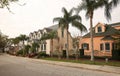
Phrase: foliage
(116, 54)
(6, 3)
(50, 35)
(3, 41)
(90, 6)
(86, 61)
(23, 38)
(20, 52)
(42, 54)
(15, 41)
(26, 49)
(69, 18)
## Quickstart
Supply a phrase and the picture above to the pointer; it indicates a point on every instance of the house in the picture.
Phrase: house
(103, 39)
(59, 43)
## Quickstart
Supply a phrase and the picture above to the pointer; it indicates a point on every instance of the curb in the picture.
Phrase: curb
(103, 68)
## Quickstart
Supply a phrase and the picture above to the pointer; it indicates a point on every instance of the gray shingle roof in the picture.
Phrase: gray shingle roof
(109, 31)
(108, 37)
(115, 24)
(52, 28)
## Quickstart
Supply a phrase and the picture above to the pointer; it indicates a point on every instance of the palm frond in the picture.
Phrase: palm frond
(80, 7)
(115, 2)
(75, 17)
(107, 11)
(79, 26)
(57, 19)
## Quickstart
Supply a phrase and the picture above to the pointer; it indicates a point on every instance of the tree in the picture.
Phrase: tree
(3, 42)
(6, 3)
(15, 41)
(90, 6)
(36, 46)
(23, 38)
(67, 19)
(27, 48)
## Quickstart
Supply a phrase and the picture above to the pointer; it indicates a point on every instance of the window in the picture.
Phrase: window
(114, 46)
(41, 47)
(85, 46)
(101, 47)
(44, 47)
(99, 29)
(107, 46)
(66, 45)
(62, 31)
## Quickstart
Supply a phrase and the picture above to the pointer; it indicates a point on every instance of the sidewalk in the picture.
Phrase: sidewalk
(104, 68)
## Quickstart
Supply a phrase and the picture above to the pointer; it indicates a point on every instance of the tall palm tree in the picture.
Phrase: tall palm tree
(67, 19)
(23, 38)
(15, 41)
(90, 6)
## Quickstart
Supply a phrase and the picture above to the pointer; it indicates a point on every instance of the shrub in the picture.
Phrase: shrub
(116, 54)
(20, 52)
(42, 54)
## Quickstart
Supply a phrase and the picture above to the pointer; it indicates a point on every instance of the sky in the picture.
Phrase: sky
(38, 14)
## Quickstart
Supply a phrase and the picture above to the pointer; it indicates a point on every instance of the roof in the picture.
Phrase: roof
(52, 28)
(109, 31)
(108, 37)
(115, 24)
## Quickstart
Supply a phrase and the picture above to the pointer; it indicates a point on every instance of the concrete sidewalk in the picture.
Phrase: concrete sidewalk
(103, 68)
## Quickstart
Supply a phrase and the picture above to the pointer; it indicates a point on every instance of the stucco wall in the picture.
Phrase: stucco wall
(96, 43)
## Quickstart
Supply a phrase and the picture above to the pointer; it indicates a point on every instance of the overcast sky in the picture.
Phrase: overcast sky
(37, 14)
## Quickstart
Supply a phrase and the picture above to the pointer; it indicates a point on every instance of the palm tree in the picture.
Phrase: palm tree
(90, 6)
(67, 19)
(35, 46)
(15, 41)
(23, 38)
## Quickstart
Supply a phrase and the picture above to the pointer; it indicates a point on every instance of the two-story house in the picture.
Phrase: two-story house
(104, 36)
(59, 43)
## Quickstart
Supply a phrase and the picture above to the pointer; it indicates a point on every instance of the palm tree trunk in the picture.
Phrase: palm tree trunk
(91, 37)
(23, 48)
(67, 50)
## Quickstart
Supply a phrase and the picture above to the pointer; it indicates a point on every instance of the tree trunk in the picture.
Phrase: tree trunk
(23, 48)
(67, 50)
(91, 37)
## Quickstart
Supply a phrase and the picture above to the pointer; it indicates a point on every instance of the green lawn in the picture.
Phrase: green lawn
(86, 61)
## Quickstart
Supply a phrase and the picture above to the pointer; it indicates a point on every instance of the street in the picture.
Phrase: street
(19, 66)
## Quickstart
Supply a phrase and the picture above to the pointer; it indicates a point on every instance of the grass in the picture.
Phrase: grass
(86, 61)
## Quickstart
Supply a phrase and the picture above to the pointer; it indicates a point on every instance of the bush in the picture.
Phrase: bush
(116, 54)
(42, 54)
(20, 52)
(32, 55)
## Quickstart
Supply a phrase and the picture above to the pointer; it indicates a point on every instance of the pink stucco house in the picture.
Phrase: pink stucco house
(104, 39)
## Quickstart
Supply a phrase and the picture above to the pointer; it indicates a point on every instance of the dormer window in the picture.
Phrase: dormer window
(99, 29)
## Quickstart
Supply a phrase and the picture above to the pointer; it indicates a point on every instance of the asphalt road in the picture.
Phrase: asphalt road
(18, 66)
